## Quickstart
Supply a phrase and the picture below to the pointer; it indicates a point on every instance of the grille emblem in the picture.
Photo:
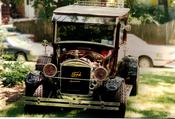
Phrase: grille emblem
(76, 74)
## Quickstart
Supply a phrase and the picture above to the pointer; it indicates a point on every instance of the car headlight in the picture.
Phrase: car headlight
(50, 70)
(100, 73)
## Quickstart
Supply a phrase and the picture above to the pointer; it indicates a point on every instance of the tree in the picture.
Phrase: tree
(46, 7)
(166, 9)
(130, 4)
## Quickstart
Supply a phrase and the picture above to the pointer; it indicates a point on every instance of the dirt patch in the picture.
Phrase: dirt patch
(8, 95)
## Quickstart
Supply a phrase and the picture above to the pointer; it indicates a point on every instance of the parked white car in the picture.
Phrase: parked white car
(8, 29)
(24, 49)
(147, 54)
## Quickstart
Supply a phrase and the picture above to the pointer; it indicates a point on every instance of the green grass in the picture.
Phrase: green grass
(156, 99)
(17, 110)
(156, 79)
(156, 96)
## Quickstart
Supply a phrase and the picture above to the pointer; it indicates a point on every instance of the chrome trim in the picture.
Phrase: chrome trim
(53, 66)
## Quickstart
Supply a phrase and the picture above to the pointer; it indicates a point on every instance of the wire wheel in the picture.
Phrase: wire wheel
(39, 91)
(121, 97)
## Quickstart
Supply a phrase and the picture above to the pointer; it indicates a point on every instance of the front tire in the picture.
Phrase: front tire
(121, 97)
(134, 82)
(38, 93)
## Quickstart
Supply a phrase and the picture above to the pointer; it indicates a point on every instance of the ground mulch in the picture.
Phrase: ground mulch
(10, 94)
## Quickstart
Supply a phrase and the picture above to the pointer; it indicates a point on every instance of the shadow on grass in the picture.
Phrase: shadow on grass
(13, 110)
(168, 98)
(148, 113)
(74, 113)
(16, 109)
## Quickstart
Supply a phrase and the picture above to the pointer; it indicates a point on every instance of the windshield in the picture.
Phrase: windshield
(17, 42)
(86, 32)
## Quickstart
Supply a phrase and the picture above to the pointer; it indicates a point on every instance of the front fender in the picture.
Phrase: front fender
(33, 80)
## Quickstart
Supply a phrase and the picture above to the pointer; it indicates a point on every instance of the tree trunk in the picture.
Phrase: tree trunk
(165, 2)
(130, 4)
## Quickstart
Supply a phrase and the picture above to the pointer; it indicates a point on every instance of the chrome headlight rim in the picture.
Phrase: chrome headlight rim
(53, 73)
(96, 71)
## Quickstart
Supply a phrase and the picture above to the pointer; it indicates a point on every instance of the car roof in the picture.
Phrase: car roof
(91, 11)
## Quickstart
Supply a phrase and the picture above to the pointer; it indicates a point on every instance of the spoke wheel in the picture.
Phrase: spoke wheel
(121, 97)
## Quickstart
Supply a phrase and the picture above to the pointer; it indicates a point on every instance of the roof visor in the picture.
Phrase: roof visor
(84, 19)
(89, 14)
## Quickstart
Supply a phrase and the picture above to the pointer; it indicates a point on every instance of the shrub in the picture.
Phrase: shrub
(147, 14)
(8, 57)
(13, 73)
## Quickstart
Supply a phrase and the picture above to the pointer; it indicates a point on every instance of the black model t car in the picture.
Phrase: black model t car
(83, 71)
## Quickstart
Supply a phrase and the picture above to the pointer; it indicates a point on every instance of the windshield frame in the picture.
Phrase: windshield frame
(108, 38)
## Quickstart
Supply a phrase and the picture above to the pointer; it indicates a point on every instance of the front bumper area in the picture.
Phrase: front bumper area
(72, 101)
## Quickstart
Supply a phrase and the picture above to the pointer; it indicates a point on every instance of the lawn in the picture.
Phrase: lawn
(156, 99)
(156, 96)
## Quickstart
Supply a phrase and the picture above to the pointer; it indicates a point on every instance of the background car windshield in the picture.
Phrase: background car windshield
(86, 32)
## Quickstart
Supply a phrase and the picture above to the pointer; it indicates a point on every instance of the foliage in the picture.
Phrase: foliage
(1, 44)
(141, 13)
(13, 74)
(130, 3)
(8, 57)
(46, 7)
(145, 14)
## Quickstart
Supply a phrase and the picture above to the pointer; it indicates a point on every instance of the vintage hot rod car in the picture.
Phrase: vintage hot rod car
(83, 71)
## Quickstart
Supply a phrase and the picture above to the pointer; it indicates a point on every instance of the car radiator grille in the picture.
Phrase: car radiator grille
(75, 80)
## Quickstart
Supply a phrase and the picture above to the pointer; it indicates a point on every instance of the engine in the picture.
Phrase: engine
(80, 71)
